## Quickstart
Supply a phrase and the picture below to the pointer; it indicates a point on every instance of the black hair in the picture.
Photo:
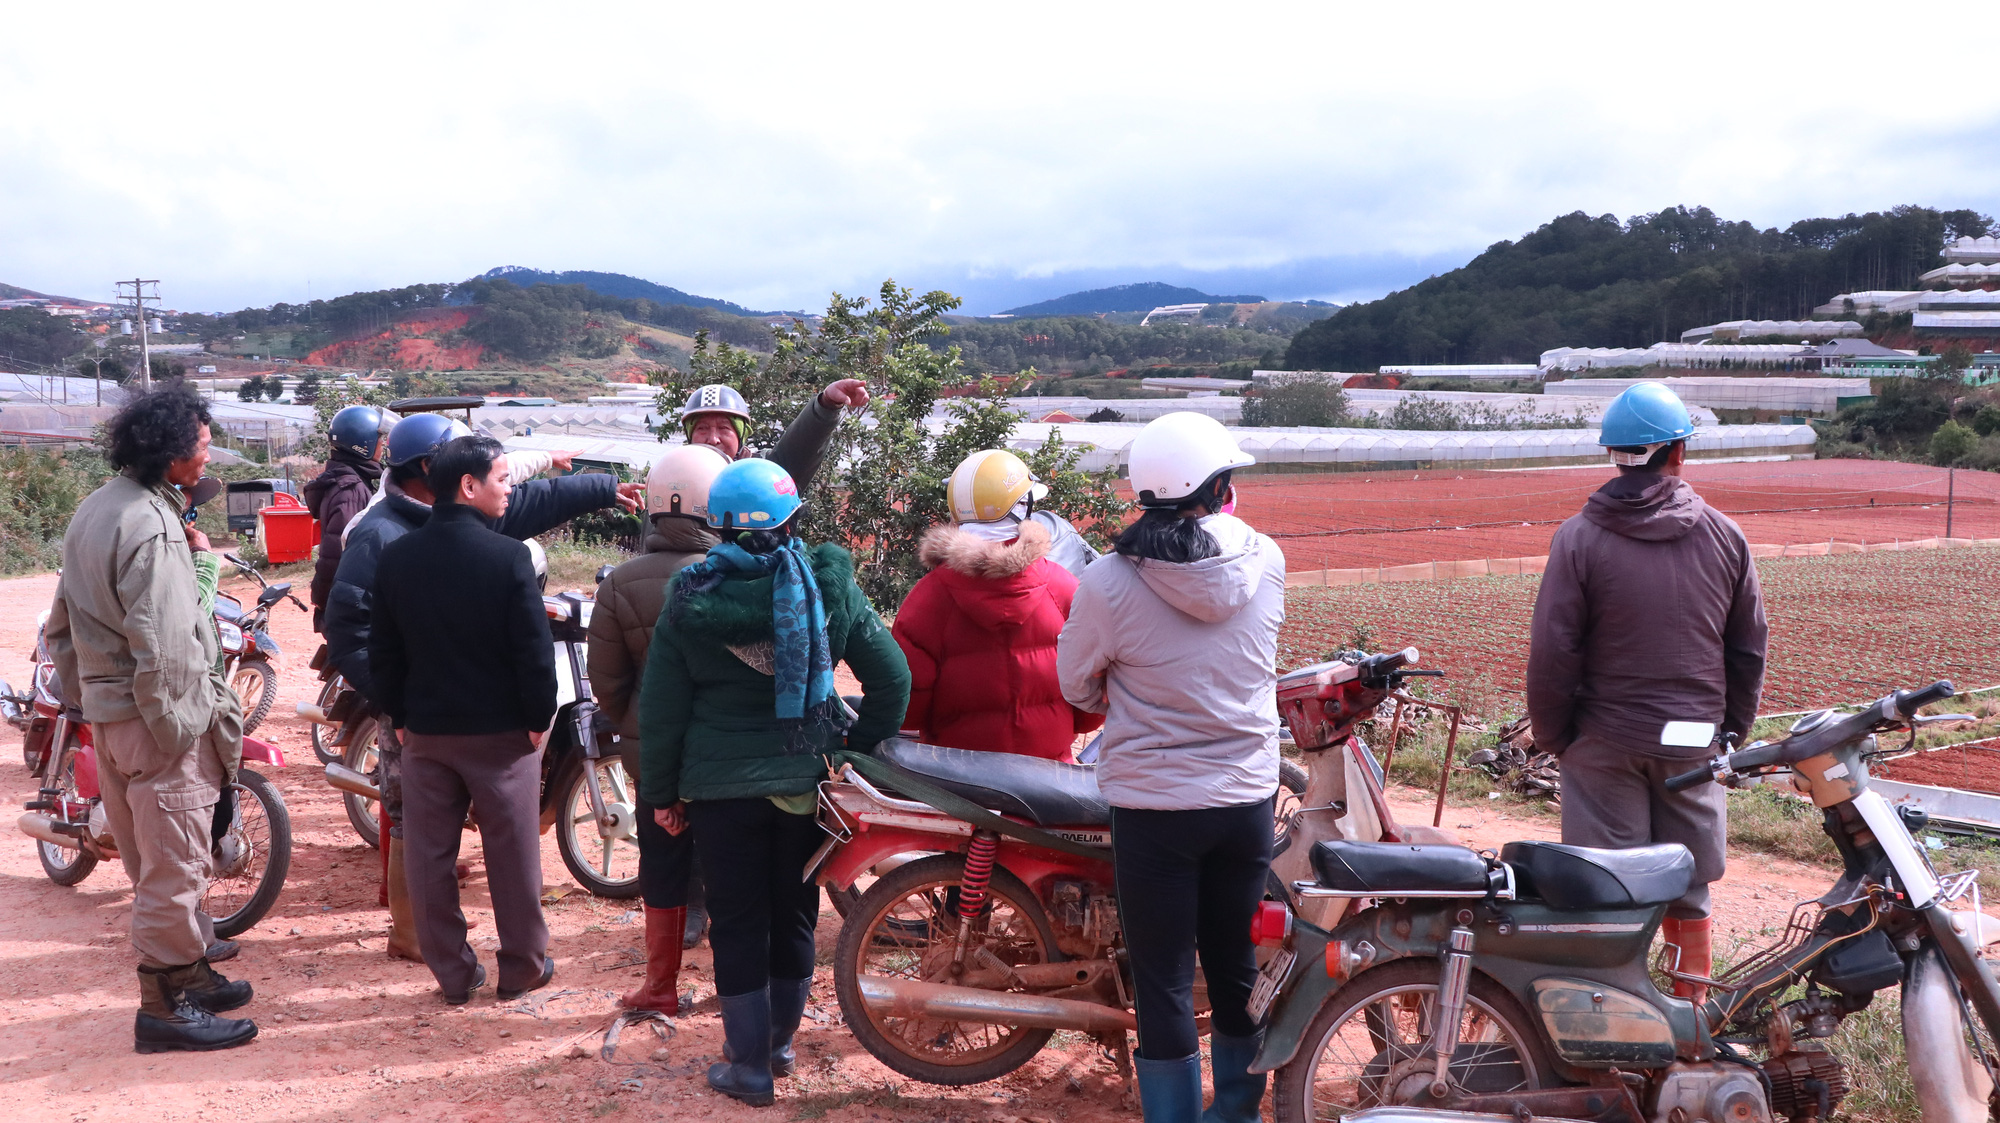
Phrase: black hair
(764, 540)
(1653, 464)
(1175, 534)
(154, 430)
(460, 457)
(408, 470)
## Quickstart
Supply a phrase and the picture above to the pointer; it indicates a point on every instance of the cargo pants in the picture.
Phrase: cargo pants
(1615, 798)
(160, 806)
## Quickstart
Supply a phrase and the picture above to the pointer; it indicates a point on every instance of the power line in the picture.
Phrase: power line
(139, 299)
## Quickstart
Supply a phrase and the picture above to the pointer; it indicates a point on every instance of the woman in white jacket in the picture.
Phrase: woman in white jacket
(1175, 639)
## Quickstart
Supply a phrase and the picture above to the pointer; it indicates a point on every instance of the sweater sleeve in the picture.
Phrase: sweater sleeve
(885, 676)
(1745, 637)
(666, 707)
(384, 657)
(541, 505)
(1555, 648)
(916, 633)
(803, 446)
(1084, 651)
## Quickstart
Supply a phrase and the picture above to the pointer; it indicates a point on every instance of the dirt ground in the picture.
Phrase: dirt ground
(348, 1034)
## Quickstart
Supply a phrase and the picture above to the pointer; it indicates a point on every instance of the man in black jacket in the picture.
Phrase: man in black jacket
(463, 661)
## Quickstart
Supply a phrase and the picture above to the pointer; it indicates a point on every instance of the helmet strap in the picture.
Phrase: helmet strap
(1636, 459)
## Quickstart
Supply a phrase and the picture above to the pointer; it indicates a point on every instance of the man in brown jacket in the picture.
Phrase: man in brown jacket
(1649, 613)
(134, 650)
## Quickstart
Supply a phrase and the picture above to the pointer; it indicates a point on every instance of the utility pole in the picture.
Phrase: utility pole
(1950, 497)
(139, 299)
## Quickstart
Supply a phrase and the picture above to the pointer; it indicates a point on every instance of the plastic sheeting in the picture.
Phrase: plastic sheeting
(1802, 395)
(1958, 273)
(1674, 355)
(1973, 249)
(1468, 370)
(1754, 329)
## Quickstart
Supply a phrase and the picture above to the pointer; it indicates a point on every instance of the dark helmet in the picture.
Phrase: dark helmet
(356, 429)
(420, 435)
(716, 398)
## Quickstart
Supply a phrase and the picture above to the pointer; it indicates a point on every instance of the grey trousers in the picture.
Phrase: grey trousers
(160, 806)
(1616, 798)
(443, 775)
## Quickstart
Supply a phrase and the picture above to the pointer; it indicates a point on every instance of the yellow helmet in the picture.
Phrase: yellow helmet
(679, 479)
(986, 485)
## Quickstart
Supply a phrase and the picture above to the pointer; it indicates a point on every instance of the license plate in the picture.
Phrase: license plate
(1270, 977)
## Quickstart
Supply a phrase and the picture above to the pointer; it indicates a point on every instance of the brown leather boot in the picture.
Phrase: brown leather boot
(1693, 938)
(660, 991)
(402, 917)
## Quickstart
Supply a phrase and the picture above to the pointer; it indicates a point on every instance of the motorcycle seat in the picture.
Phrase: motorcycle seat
(229, 609)
(1391, 869)
(1047, 793)
(1581, 877)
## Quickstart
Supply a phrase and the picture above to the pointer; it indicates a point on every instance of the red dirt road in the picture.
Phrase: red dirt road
(1357, 519)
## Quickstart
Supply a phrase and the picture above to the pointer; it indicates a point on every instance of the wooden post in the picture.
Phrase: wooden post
(1444, 775)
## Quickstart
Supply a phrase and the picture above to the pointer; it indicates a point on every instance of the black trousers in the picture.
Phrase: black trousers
(761, 914)
(1189, 883)
(666, 864)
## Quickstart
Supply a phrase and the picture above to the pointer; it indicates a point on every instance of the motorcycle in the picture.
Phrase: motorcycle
(247, 646)
(1484, 986)
(588, 797)
(251, 840)
(992, 921)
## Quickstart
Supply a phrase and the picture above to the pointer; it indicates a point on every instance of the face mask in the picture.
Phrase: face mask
(1229, 504)
(1004, 529)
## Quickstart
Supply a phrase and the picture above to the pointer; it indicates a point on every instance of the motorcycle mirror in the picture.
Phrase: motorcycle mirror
(205, 489)
(1688, 734)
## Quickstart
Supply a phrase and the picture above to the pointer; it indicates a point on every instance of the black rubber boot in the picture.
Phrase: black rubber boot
(169, 1022)
(697, 912)
(1238, 1091)
(746, 1032)
(1170, 1091)
(788, 1005)
(207, 988)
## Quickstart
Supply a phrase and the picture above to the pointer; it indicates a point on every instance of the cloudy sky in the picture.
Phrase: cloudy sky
(772, 153)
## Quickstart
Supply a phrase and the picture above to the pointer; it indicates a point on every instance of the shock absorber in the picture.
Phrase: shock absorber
(1452, 985)
(972, 890)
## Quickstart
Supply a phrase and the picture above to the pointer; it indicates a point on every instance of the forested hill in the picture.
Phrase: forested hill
(614, 285)
(1143, 297)
(1597, 282)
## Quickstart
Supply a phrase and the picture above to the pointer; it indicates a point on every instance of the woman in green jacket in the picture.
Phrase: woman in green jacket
(737, 710)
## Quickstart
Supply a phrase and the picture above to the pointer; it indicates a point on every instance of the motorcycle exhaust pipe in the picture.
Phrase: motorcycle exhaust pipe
(43, 829)
(313, 714)
(908, 998)
(348, 780)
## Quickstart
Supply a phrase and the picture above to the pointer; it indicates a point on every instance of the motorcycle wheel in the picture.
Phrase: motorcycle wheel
(1291, 792)
(1369, 1045)
(256, 685)
(63, 865)
(323, 735)
(901, 929)
(258, 849)
(608, 867)
(361, 756)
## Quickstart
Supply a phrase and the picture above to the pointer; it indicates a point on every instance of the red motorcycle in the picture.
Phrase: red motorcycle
(251, 839)
(993, 921)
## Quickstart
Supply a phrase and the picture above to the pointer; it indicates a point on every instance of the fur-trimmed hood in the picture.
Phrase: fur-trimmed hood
(738, 611)
(952, 547)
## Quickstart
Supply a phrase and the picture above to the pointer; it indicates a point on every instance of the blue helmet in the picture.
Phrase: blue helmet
(420, 435)
(356, 429)
(1647, 414)
(752, 494)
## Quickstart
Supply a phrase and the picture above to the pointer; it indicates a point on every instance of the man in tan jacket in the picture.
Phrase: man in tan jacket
(134, 651)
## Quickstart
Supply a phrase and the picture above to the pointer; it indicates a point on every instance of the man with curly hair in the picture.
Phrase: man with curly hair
(135, 651)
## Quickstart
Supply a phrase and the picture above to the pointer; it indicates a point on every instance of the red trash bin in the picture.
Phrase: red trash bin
(288, 529)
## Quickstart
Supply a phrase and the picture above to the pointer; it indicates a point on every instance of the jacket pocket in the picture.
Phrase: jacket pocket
(188, 797)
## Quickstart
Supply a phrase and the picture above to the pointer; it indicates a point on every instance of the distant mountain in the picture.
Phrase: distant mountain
(16, 292)
(615, 284)
(1143, 297)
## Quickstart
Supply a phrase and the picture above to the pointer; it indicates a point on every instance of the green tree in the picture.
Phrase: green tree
(251, 389)
(883, 483)
(274, 387)
(1987, 421)
(307, 391)
(1296, 400)
(1952, 443)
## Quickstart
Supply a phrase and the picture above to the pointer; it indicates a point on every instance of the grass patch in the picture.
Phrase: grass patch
(574, 564)
(1878, 1072)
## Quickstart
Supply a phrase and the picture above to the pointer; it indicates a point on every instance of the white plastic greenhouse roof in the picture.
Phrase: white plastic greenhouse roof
(1805, 395)
(1956, 300)
(1957, 321)
(1891, 301)
(1752, 329)
(1973, 249)
(1959, 273)
(1380, 403)
(1336, 448)
(1672, 355)
(1467, 370)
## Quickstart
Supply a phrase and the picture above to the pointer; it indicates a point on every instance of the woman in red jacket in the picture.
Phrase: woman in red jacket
(980, 628)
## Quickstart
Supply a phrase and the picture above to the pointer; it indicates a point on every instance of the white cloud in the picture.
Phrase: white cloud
(769, 154)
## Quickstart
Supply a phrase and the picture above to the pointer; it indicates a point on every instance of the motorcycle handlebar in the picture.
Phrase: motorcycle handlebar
(1909, 702)
(1693, 779)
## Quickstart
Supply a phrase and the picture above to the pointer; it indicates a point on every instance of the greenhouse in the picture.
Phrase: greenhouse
(1789, 395)
(1694, 355)
(1757, 329)
(1960, 274)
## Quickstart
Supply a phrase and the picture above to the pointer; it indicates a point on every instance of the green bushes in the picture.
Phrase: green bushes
(42, 488)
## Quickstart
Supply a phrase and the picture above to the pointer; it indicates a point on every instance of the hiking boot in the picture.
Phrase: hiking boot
(221, 950)
(168, 1021)
(207, 988)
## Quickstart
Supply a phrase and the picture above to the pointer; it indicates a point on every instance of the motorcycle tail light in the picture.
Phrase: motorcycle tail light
(232, 637)
(1271, 924)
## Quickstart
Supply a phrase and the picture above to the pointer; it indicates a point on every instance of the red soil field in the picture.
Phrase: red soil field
(1972, 768)
(410, 343)
(1347, 520)
(1844, 628)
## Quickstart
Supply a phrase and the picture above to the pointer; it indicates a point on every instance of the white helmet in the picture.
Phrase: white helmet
(540, 558)
(1175, 454)
(678, 482)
